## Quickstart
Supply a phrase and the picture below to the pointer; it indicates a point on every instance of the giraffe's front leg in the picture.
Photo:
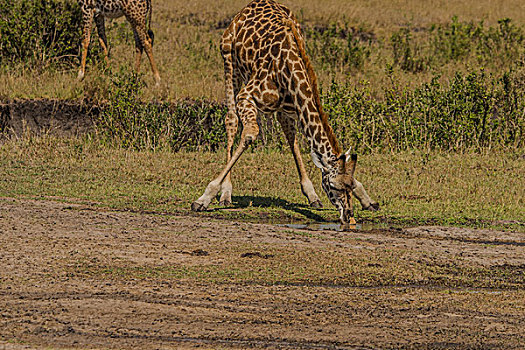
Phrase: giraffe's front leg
(360, 193)
(288, 126)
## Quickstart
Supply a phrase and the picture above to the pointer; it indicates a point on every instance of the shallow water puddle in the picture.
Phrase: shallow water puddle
(317, 226)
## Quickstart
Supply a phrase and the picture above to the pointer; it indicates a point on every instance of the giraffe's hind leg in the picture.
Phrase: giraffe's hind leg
(231, 121)
(102, 39)
(248, 112)
(231, 129)
(288, 125)
(143, 42)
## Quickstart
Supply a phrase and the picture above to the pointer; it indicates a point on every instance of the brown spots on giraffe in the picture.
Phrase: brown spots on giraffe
(270, 99)
(317, 136)
(286, 45)
(250, 53)
(279, 37)
(293, 56)
(299, 100)
(249, 31)
(256, 44)
(304, 88)
(275, 50)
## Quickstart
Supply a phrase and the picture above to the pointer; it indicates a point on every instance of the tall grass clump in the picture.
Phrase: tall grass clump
(126, 121)
(474, 111)
(338, 48)
(43, 31)
(415, 49)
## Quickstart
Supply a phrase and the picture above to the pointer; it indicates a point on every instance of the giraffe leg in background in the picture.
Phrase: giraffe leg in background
(87, 20)
(143, 42)
(103, 41)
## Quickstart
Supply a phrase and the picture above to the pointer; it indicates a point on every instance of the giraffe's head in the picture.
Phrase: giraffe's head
(338, 183)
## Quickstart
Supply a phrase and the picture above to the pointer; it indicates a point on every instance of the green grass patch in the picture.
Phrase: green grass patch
(413, 188)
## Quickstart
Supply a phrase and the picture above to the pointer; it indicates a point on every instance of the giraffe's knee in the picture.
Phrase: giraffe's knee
(251, 131)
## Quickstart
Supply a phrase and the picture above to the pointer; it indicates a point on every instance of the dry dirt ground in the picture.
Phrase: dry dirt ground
(57, 288)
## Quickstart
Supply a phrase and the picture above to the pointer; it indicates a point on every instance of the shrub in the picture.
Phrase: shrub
(498, 46)
(43, 31)
(338, 48)
(406, 53)
(474, 111)
(128, 122)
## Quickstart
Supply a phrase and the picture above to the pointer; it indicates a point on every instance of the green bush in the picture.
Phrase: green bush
(474, 111)
(126, 121)
(338, 47)
(43, 30)
(408, 54)
(440, 44)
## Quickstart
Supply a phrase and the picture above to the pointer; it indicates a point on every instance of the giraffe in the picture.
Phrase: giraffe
(137, 12)
(267, 71)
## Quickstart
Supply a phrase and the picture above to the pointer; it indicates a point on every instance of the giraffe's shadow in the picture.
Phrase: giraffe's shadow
(267, 202)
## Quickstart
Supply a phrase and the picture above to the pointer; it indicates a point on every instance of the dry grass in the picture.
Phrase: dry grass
(188, 33)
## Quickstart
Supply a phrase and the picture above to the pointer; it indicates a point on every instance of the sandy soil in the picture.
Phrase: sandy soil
(46, 300)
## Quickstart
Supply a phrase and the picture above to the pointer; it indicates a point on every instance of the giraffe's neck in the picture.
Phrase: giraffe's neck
(313, 121)
(319, 134)
(306, 98)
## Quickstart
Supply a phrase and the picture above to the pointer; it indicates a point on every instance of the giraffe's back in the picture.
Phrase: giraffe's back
(256, 34)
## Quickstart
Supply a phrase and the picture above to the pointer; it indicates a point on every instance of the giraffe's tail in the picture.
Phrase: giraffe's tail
(150, 32)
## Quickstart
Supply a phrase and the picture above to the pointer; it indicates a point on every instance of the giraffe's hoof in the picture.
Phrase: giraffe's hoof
(316, 204)
(372, 207)
(195, 206)
(225, 203)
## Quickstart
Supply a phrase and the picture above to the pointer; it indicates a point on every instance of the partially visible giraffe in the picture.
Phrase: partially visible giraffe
(137, 12)
(267, 70)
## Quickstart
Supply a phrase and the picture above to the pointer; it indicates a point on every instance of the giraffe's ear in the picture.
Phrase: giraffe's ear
(348, 154)
(318, 160)
(350, 165)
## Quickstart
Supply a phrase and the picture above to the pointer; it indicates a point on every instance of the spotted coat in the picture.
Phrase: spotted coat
(138, 14)
(268, 71)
